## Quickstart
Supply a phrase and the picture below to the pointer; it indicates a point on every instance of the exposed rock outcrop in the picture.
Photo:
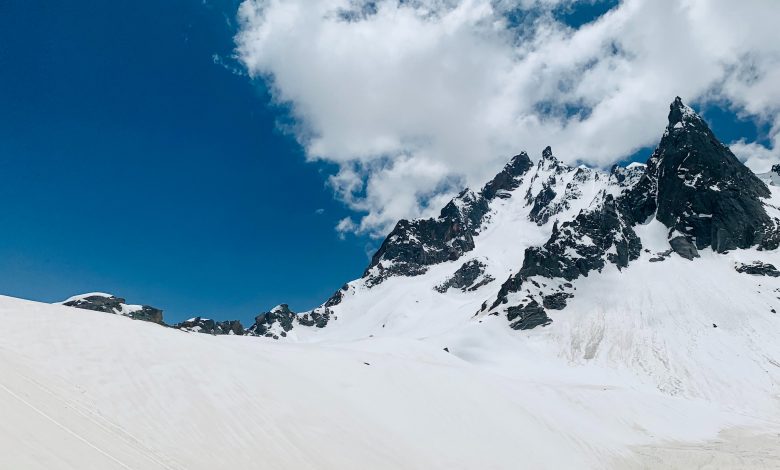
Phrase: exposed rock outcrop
(757, 268)
(414, 245)
(470, 276)
(209, 326)
(108, 303)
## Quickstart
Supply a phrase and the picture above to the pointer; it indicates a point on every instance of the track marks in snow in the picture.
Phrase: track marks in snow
(105, 445)
(63, 427)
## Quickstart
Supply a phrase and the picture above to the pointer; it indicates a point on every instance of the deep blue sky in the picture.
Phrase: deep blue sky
(132, 163)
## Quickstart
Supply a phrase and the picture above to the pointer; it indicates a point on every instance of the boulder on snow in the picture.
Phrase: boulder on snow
(757, 268)
(684, 247)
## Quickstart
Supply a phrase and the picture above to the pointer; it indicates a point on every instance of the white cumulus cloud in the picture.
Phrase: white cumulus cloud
(415, 99)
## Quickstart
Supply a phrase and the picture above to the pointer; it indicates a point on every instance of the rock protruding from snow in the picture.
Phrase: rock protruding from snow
(209, 326)
(587, 243)
(108, 303)
(509, 178)
(692, 184)
(701, 191)
(274, 323)
(280, 320)
(536, 227)
(414, 245)
(470, 276)
(757, 268)
(527, 316)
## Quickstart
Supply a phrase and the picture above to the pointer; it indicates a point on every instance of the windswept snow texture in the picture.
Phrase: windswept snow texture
(122, 394)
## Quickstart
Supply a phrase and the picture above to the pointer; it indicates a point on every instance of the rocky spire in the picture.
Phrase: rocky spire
(508, 178)
(701, 191)
(681, 115)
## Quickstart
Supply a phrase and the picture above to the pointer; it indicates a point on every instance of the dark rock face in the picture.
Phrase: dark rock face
(757, 268)
(544, 203)
(318, 317)
(556, 301)
(337, 296)
(281, 315)
(414, 245)
(509, 178)
(117, 305)
(149, 314)
(280, 320)
(209, 326)
(703, 192)
(527, 316)
(539, 212)
(683, 247)
(576, 248)
(584, 244)
(692, 183)
(469, 277)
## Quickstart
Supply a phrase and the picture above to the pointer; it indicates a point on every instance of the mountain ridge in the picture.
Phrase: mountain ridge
(586, 219)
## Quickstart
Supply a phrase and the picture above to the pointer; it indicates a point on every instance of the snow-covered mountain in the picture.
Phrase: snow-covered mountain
(516, 247)
(664, 271)
(558, 317)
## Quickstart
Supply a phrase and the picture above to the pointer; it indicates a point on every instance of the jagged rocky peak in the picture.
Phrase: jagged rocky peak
(274, 323)
(414, 245)
(693, 184)
(681, 116)
(209, 326)
(102, 302)
(509, 178)
(704, 194)
(549, 162)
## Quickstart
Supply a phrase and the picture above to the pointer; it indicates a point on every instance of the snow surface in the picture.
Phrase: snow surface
(83, 389)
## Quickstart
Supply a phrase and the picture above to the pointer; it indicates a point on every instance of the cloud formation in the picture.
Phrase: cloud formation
(415, 99)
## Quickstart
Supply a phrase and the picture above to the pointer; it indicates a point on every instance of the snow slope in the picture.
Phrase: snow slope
(118, 393)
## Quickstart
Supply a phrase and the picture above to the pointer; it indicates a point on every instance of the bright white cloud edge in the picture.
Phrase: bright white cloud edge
(415, 100)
